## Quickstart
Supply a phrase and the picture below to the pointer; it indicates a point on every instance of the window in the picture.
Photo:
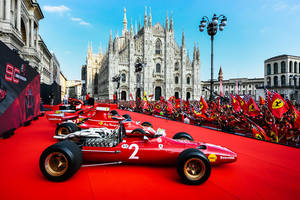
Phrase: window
(176, 79)
(275, 68)
(123, 78)
(231, 86)
(157, 93)
(249, 86)
(188, 81)
(157, 68)
(176, 95)
(291, 66)
(158, 47)
(295, 67)
(283, 80)
(283, 70)
(275, 81)
(243, 86)
(269, 81)
(138, 78)
(188, 95)
(123, 95)
(176, 66)
(268, 69)
(250, 92)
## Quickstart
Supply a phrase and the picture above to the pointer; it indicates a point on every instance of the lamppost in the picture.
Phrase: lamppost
(116, 79)
(295, 82)
(212, 29)
(138, 69)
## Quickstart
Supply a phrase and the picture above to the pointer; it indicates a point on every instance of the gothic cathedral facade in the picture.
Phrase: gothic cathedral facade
(168, 70)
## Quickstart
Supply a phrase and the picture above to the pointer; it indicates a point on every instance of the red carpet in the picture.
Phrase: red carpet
(263, 170)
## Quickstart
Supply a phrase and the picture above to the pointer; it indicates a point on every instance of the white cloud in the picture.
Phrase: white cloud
(57, 9)
(80, 21)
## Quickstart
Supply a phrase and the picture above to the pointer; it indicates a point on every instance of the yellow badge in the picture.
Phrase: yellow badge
(251, 107)
(258, 136)
(242, 102)
(109, 116)
(278, 103)
(58, 111)
(100, 123)
(212, 158)
(201, 105)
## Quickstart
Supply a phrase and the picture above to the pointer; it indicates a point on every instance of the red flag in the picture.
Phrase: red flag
(145, 106)
(261, 101)
(170, 107)
(157, 107)
(274, 133)
(172, 99)
(242, 103)
(253, 109)
(296, 114)
(221, 88)
(162, 100)
(235, 104)
(258, 132)
(203, 105)
(277, 105)
(177, 103)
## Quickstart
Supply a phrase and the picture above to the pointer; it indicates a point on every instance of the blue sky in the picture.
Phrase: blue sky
(256, 30)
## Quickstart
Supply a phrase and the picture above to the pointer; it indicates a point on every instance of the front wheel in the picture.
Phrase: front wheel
(60, 161)
(183, 136)
(193, 167)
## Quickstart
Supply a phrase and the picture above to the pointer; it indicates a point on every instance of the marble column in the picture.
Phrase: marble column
(27, 33)
(37, 37)
(31, 32)
(7, 10)
(19, 15)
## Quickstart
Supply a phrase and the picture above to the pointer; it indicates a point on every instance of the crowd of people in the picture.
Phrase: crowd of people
(272, 119)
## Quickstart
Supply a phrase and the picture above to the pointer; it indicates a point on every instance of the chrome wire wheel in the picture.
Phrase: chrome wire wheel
(56, 164)
(194, 169)
(63, 131)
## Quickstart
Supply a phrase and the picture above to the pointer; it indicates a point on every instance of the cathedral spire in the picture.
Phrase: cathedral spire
(135, 28)
(124, 23)
(194, 54)
(183, 40)
(198, 53)
(171, 23)
(220, 74)
(91, 48)
(145, 18)
(167, 23)
(150, 18)
(139, 23)
(110, 44)
(131, 28)
(88, 50)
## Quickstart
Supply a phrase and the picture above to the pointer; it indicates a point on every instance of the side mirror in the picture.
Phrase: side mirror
(146, 138)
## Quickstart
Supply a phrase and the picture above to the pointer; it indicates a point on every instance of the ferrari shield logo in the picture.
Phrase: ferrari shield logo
(251, 107)
(201, 105)
(242, 102)
(278, 103)
(100, 123)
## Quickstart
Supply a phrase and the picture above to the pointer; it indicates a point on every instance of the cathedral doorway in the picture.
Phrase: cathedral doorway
(138, 93)
(157, 93)
(188, 96)
(123, 95)
(177, 95)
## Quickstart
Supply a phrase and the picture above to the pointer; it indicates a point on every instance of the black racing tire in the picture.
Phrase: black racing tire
(183, 136)
(147, 124)
(138, 131)
(60, 161)
(114, 112)
(193, 167)
(126, 116)
(66, 128)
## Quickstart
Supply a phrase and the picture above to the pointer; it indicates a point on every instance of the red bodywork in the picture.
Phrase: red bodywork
(160, 150)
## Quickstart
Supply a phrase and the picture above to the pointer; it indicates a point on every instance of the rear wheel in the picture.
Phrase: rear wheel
(183, 136)
(147, 124)
(193, 167)
(66, 128)
(60, 161)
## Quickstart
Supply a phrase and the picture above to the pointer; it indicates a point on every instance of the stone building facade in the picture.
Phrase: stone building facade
(19, 30)
(282, 74)
(168, 69)
(241, 86)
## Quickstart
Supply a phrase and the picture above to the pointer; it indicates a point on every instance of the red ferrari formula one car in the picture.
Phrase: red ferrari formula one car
(103, 117)
(103, 146)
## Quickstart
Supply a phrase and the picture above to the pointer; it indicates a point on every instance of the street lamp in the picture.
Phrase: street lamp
(212, 29)
(295, 82)
(116, 79)
(138, 69)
